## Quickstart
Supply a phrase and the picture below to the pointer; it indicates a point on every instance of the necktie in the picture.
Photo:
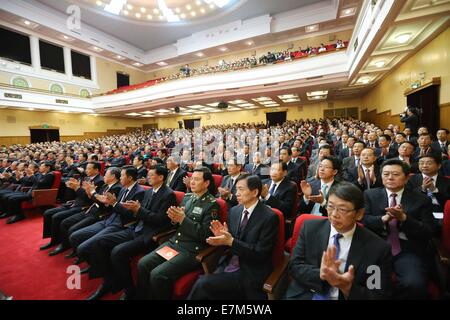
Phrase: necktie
(326, 296)
(254, 169)
(169, 178)
(368, 182)
(272, 189)
(233, 265)
(124, 195)
(392, 237)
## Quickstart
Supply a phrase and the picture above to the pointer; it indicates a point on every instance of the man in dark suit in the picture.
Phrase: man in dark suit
(54, 217)
(157, 271)
(441, 143)
(251, 234)
(294, 170)
(430, 182)
(347, 150)
(111, 253)
(138, 163)
(315, 192)
(353, 161)
(83, 239)
(313, 168)
(424, 146)
(176, 175)
(257, 168)
(117, 161)
(227, 189)
(385, 150)
(334, 258)
(340, 145)
(411, 120)
(367, 174)
(94, 213)
(278, 191)
(404, 217)
(14, 201)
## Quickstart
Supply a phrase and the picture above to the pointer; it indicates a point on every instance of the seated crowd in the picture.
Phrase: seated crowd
(367, 196)
(244, 63)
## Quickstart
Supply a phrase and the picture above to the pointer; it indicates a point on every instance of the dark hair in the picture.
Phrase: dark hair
(426, 134)
(85, 155)
(446, 130)
(115, 171)
(360, 142)
(158, 160)
(386, 136)
(402, 134)
(289, 151)
(436, 157)
(348, 192)
(396, 162)
(140, 158)
(207, 176)
(235, 162)
(335, 162)
(48, 164)
(160, 170)
(95, 165)
(326, 146)
(94, 157)
(164, 151)
(408, 142)
(253, 182)
(131, 172)
(283, 165)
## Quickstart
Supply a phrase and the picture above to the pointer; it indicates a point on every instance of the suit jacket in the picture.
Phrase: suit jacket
(430, 149)
(392, 153)
(117, 162)
(366, 250)
(142, 172)
(284, 197)
(254, 246)
(295, 171)
(177, 184)
(227, 183)
(442, 184)
(120, 215)
(411, 122)
(261, 170)
(445, 169)
(99, 208)
(42, 181)
(352, 176)
(419, 225)
(344, 153)
(153, 211)
(316, 187)
(436, 145)
(82, 199)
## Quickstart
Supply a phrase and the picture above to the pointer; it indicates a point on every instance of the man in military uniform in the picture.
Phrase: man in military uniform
(157, 272)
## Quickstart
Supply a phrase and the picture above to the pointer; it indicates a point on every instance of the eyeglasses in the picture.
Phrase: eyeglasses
(342, 211)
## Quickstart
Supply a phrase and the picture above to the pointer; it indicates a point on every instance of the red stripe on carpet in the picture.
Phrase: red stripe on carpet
(29, 274)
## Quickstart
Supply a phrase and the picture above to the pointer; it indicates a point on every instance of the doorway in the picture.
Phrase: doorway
(191, 123)
(44, 135)
(275, 118)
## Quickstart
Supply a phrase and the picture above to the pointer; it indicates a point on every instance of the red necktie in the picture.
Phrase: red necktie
(393, 234)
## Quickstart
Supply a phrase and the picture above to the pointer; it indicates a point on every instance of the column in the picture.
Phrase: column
(93, 69)
(35, 55)
(68, 62)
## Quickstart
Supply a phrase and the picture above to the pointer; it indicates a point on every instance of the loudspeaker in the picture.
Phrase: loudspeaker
(177, 109)
(222, 105)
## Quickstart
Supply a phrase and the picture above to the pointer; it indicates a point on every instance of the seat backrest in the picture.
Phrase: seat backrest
(57, 180)
(295, 206)
(145, 187)
(223, 213)
(189, 174)
(217, 180)
(298, 227)
(278, 250)
(127, 160)
(102, 168)
(179, 195)
(446, 228)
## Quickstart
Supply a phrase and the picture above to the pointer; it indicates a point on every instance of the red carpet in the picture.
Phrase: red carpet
(29, 274)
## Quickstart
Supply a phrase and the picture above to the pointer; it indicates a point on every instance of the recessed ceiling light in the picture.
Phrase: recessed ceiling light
(133, 114)
(223, 49)
(348, 12)
(196, 106)
(250, 43)
(237, 101)
(149, 17)
(262, 99)
(403, 38)
(162, 63)
(198, 2)
(211, 6)
(272, 105)
(26, 22)
(193, 13)
(291, 100)
(148, 116)
(129, 7)
(161, 17)
(312, 28)
(202, 10)
(97, 49)
(155, 11)
(244, 105)
(138, 15)
(199, 54)
(99, 3)
(177, 10)
(288, 96)
(65, 37)
(125, 12)
(162, 110)
(30, 109)
(183, 16)
(380, 64)
(147, 112)
(143, 10)
(267, 102)
(364, 80)
(188, 7)
(137, 64)
(317, 93)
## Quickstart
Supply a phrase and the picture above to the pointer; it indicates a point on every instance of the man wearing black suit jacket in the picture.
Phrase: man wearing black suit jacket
(257, 168)
(278, 191)
(251, 234)
(404, 217)
(138, 162)
(385, 150)
(176, 175)
(227, 189)
(430, 182)
(315, 192)
(111, 253)
(367, 174)
(411, 121)
(14, 201)
(54, 217)
(92, 214)
(334, 258)
(424, 146)
(441, 143)
(294, 170)
(83, 239)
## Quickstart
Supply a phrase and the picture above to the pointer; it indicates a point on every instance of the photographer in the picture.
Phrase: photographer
(411, 120)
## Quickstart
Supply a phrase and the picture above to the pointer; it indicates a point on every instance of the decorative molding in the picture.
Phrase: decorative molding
(434, 82)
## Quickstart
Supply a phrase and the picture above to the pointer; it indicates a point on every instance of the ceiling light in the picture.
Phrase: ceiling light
(188, 7)
(223, 49)
(202, 10)
(143, 10)
(193, 13)
(380, 64)
(215, 104)
(288, 96)
(266, 102)
(97, 49)
(30, 109)
(262, 99)
(125, 12)
(199, 54)
(312, 28)
(147, 112)
(138, 15)
(291, 100)
(161, 17)
(155, 11)
(250, 43)
(26, 22)
(364, 80)
(162, 110)
(177, 10)
(99, 3)
(198, 2)
(219, 3)
(129, 7)
(196, 106)
(115, 6)
(237, 101)
(183, 16)
(244, 105)
(137, 64)
(211, 6)
(403, 38)
(348, 12)
(162, 63)
(271, 105)
(148, 116)
(65, 37)
(133, 114)
(149, 17)
(317, 93)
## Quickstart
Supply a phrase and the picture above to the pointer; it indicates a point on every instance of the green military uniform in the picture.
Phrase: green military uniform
(156, 275)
